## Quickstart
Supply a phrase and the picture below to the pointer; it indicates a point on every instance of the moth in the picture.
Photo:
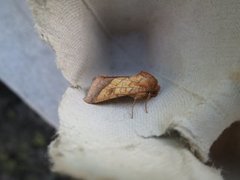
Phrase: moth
(141, 86)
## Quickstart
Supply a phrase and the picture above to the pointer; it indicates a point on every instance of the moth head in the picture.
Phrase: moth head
(150, 82)
(155, 91)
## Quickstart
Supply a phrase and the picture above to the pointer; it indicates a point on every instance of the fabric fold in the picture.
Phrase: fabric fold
(191, 47)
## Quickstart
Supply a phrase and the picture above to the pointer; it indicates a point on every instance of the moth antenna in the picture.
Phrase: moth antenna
(149, 96)
(133, 104)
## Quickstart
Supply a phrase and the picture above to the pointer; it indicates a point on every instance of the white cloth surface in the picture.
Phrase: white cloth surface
(27, 64)
(192, 47)
(104, 147)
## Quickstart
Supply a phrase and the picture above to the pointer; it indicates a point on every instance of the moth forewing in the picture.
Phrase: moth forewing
(98, 84)
(140, 86)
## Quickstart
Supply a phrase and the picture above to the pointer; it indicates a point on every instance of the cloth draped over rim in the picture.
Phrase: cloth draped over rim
(192, 47)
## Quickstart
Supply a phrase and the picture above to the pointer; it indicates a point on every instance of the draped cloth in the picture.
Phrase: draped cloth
(192, 47)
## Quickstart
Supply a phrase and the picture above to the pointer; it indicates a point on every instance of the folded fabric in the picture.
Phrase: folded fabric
(192, 47)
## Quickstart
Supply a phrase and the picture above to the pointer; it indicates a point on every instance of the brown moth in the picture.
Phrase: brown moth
(140, 86)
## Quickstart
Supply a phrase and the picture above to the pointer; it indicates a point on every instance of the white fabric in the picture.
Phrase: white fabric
(106, 147)
(192, 47)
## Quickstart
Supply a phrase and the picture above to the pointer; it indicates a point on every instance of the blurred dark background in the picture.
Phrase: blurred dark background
(24, 137)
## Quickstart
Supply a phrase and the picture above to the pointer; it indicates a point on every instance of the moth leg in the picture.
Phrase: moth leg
(133, 104)
(148, 97)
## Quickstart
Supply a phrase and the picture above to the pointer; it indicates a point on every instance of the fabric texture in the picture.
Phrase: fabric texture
(192, 47)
